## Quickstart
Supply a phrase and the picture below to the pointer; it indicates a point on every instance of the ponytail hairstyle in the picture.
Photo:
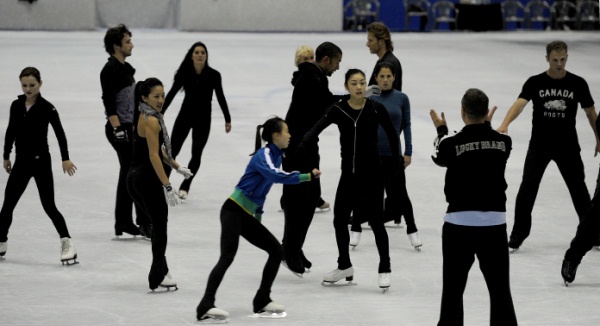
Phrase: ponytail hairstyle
(271, 126)
(143, 88)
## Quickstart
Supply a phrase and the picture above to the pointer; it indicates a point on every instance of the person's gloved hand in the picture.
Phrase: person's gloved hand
(170, 195)
(120, 134)
(185, 172)
(372, 90)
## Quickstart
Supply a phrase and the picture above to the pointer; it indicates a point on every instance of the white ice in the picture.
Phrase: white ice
(109, 286)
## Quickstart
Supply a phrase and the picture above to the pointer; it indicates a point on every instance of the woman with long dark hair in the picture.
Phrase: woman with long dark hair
(198, 81)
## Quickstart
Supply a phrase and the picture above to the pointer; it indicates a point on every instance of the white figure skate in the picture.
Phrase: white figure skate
(68, 254)
(415, 241)
(330, 279)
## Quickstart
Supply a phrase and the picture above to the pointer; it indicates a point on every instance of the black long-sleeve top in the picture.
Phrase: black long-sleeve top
(475, 159)
(310, 99)
(390, 58)
(198, 94)
(118, 87)
(358, 134)
(28, 130)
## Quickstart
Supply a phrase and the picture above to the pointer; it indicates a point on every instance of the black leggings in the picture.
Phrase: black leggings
(354, 190)
(236, 222)
(587, 231)
(147, 191)
(200, 127)
(40, 168)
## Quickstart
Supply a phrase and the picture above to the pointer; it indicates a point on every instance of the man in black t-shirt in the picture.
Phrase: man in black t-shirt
(555, 94)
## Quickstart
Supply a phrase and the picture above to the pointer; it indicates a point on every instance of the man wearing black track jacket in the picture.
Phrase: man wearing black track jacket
(475, 221)
(310, 99)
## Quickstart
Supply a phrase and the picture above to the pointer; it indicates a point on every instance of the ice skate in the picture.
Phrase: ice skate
(514, 244)
(415, 241)
(169, 283)
(330, 279)
(323, 208)
(129, 229)
(271, 310)
(183, 194)
(146, 231)
(294, 265)
(68, 254)
(354, 239)
(214, 316)
(385, 281)
(568, 271)
(307, 263)
(3, 248)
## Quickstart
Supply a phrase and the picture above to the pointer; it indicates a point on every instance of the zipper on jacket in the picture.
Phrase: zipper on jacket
(355, 127)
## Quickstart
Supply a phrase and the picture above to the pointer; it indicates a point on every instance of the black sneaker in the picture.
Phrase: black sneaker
(568, 271)
(514, 243)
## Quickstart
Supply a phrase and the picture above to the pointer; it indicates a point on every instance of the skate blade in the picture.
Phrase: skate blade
(512, 250)
(324, 210)
(352, 247)
(299, 275)
(70, 262)
(384, 289)
(127, 238)
(335, 284)
(163, 289)
(270, 315)
(213, 320)
(418, 248)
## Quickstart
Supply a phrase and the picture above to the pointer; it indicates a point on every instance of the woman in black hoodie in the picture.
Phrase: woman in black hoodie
(358, 120)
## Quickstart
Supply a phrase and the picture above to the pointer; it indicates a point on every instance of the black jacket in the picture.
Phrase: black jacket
(118, 87)
(310, 100)
(358, 135)
(476, 160)
(28, 130)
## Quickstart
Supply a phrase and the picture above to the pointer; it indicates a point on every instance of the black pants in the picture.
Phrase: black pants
(460, 245)
(572, 170)
(147, 192)
(200, 127)
(396, 204)
(40, 168)
(299, 203)
(236, 222)
(588, 230)
(355, 190)
(124, 204)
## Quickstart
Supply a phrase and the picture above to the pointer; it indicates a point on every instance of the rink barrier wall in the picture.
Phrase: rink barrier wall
(59, 15)
(185, 15)
(262, 15)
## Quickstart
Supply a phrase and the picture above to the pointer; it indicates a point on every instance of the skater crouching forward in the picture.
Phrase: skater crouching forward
(241, 216)
(475, 221)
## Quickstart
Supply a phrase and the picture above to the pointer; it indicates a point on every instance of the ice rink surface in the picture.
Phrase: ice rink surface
(109, 286)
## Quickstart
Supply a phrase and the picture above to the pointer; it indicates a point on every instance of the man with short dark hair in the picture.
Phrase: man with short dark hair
(310, 99)
(118, 87)
(475, 221)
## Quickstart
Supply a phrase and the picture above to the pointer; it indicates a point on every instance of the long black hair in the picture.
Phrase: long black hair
(271, 126)
(186, 68)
